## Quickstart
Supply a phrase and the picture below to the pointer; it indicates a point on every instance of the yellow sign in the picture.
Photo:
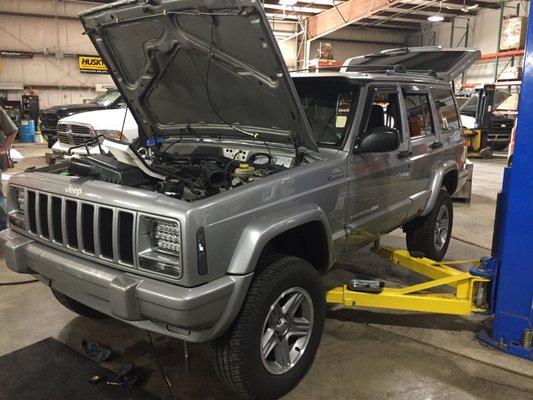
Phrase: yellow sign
(92, 65)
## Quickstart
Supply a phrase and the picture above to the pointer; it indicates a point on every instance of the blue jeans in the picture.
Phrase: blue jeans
(3, 213)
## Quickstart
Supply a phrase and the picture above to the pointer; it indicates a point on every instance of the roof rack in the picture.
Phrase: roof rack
(389, 70)
(376, 69)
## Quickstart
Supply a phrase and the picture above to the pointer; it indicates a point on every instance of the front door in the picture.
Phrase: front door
(377, 181)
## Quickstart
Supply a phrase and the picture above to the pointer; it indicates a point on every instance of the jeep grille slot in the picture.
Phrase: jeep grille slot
(71, 223)
(55, 211)
(105, 224)
(103, 232)
(87, 227)
(32, 212)
(125, 237)
(43, 215)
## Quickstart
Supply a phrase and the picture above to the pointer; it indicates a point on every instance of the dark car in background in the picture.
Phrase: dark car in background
(49, 117)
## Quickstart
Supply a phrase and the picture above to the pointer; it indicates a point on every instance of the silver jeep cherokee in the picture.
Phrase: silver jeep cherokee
(252, 184)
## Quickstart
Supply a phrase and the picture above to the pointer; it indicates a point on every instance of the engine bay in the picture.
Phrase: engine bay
(190, 172)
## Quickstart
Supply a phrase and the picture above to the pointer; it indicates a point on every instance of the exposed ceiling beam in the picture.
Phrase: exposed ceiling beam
(393, 25)
(345, 14)
(300, 4)
(433, 9)
(405, 15)
(290, 14)
(482, 4)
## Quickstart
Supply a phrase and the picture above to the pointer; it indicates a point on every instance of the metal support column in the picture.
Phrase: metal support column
(499, 40)
(511, 268)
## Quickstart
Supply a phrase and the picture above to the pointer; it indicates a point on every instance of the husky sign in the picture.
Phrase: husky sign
(92, 65)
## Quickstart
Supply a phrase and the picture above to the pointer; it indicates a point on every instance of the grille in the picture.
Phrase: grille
(99, 231)
(81, 130)
(74, 134)
(62, 128)
(50, 116)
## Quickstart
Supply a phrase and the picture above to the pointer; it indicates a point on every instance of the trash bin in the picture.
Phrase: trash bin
(27, 131)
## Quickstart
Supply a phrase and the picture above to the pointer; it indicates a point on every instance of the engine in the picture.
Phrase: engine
(203, 172)
(197, 176)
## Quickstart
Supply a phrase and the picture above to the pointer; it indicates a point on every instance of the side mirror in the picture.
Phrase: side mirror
(379, 140)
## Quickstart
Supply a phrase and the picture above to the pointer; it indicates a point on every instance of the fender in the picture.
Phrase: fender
(436, 183)
(256, 235)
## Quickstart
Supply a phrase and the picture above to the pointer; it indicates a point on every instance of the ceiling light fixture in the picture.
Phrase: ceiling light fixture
(288, 3)
(437, 17)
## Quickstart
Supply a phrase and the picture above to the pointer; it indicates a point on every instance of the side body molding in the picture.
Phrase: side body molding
(256, 235)
(436, 183)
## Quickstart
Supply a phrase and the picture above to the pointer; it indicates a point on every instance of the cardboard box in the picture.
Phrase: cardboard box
(514, 31)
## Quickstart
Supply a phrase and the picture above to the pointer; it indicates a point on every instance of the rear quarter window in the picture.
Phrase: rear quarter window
(447, 114)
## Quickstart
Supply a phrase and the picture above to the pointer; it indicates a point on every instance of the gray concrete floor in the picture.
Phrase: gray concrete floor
(364, 354)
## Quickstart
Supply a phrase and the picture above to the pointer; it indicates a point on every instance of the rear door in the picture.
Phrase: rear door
(426, 143)
(377, 181)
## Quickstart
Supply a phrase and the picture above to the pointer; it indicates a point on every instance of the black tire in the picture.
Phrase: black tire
(421, 232)
(237, 355)
(500, 146)
(77, 307)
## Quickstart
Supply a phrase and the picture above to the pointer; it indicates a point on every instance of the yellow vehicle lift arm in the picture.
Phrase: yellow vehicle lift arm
(468, 295)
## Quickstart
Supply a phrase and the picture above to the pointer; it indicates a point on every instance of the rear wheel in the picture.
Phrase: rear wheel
(500, 146)
(77, 307)
(431, 234)
(273, 341)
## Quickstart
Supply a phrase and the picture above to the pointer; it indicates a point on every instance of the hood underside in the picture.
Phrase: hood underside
(208, 68)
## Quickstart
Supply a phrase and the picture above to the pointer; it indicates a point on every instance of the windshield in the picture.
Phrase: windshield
(328, 104)
(107, 98)
(469, 108)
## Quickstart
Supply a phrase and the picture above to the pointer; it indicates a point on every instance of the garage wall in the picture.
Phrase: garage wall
(58, 39)
(483, 35)
(352, 41)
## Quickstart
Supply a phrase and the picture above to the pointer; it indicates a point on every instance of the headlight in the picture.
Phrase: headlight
(20, 199)
(167, 237)
(160, 246)
(112, 135)
(17, 207)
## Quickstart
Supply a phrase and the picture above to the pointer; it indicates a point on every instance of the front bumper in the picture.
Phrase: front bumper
(194, 314)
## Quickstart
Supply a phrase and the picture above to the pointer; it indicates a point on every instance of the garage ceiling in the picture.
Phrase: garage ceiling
(325, 16)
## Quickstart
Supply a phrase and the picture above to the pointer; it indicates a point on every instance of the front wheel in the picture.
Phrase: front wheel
(273, 340)
(431, 234)
(77, 307)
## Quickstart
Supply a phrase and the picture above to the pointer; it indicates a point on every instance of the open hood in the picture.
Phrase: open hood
(448, 64)
(205, 68)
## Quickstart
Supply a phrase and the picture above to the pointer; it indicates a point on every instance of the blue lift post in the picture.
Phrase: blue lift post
(511, 266)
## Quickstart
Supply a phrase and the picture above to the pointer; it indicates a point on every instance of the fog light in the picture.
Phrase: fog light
(160, 267)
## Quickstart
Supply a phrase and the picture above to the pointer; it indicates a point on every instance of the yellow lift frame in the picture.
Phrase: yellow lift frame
(469, 293)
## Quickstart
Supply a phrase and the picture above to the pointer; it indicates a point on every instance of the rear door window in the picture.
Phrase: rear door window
(447, 115)
(419, 118)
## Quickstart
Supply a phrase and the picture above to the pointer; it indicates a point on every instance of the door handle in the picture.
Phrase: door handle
(436, 145)
(404, 154)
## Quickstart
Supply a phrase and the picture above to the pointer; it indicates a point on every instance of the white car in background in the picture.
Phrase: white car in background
(78, 133)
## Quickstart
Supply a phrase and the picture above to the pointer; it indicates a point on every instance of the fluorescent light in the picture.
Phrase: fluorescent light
(436, 18)
(288, 2)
